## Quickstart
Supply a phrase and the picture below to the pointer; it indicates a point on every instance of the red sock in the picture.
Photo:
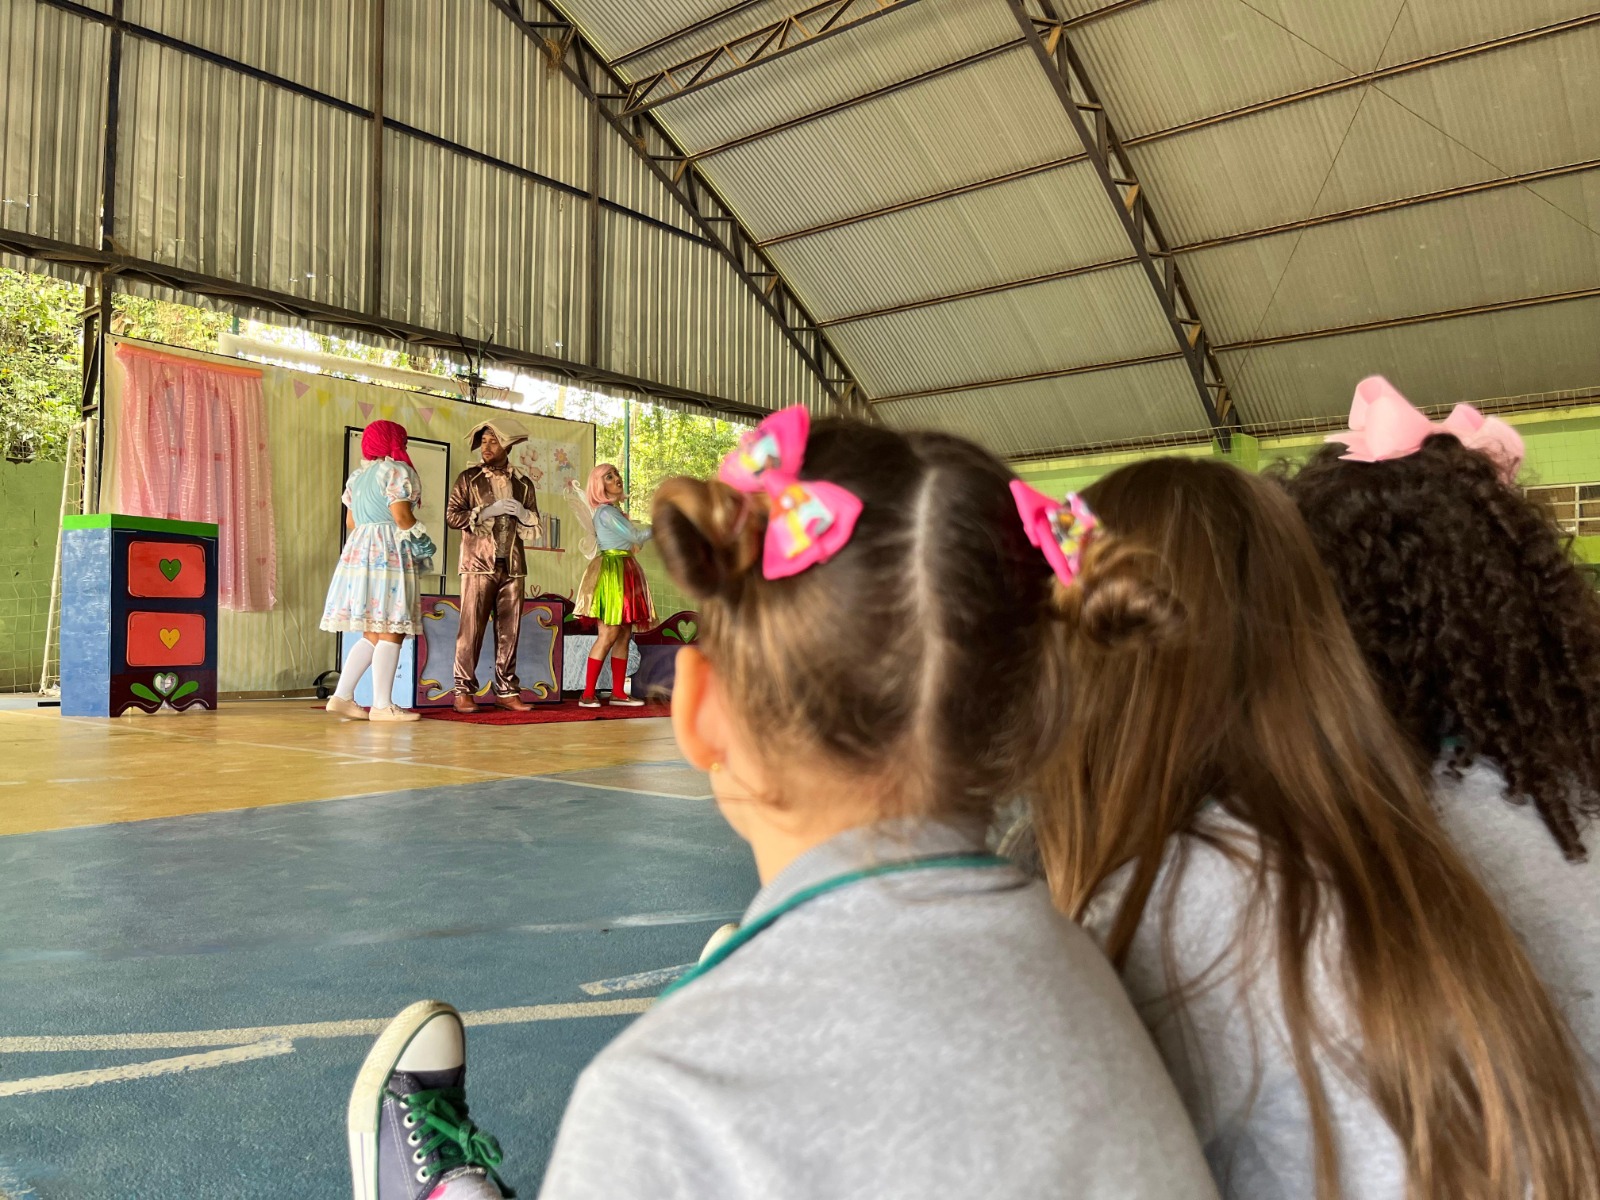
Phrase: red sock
(619, 676)
(595, 667)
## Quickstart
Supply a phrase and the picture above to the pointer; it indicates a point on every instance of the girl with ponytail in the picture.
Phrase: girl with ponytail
(1343, 1007)
(900, 1014)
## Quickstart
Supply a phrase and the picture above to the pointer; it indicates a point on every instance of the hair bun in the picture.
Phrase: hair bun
(1122, 597)
(709, 534)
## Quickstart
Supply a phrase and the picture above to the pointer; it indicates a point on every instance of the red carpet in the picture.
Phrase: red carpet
(548, 714)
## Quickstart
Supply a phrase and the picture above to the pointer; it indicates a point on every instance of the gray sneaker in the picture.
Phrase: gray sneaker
(408, 1127)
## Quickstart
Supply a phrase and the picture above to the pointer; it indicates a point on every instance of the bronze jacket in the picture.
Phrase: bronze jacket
(473, 492)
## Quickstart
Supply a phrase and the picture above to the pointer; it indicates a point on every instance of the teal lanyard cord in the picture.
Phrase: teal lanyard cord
(747, 932)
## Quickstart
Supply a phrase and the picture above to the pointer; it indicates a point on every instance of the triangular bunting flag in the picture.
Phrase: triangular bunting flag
(300, 388)
(366, 410)
(426, 414)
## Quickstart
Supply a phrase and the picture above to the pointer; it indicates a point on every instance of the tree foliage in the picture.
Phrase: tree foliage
(653, 442)
(41, 364)
(168, 323)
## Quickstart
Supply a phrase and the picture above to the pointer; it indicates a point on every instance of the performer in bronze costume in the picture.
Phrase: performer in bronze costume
(494, 506)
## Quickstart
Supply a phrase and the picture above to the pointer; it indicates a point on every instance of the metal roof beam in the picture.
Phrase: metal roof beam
(1254, 344)
(804, 28)
(1081, 103)
(1366, 77)
(125, 266)
(1447, 314)
(1032, 377)
(1366, 210)
(878, 93)
(1384, 206)
(602, 86)
(665, 40)
(990, 290)
(905, 205)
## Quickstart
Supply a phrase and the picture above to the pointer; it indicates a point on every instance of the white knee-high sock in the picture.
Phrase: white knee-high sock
(355, 666)
(385, 661)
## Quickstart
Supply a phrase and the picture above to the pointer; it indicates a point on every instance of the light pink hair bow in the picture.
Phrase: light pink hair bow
(1060, 531)
(1384, 425)
(810, 520)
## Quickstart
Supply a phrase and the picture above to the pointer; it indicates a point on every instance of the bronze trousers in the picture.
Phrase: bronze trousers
(499, 594)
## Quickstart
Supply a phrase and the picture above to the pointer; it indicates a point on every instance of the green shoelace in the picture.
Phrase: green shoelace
(442, 1123)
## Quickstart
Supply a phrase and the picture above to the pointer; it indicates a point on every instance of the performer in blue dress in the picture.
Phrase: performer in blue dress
(376, 588)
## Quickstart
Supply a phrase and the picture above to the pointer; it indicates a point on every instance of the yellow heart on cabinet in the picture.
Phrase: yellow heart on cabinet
(169, 638)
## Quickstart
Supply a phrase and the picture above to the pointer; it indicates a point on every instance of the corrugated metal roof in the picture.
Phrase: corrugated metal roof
(280, 198)
(1108, 316)
(991, 118)
(463, 72)
(1053, 221)
(1144, 401)
(52, 114)
(898, 45)
(742, 20)
(1493, 246)
(1161, 64)
(1549, 348)
(481, 252)
(616, 28)
(323, 44)
(1432, 129)
(673, 312)
(625, 180)
(279, 202)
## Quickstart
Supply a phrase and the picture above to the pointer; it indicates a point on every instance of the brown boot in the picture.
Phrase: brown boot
(512, 702)
(463, 703)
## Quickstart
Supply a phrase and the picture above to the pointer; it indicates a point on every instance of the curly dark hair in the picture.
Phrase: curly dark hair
(1481, 630)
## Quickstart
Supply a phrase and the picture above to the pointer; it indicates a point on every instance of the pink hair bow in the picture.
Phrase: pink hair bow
(1384, 425)
(810, 520)
(1060, 531)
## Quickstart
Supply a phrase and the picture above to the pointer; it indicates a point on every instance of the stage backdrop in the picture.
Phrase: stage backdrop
(307, 416)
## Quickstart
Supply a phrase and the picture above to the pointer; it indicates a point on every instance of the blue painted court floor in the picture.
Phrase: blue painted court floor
(184, 1002)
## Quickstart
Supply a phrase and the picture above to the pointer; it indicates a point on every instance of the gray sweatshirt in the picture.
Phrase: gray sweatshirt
(1229, 1053)
(935, 1033)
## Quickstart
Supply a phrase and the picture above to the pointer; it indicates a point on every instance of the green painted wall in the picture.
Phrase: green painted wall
(1563, 447)
(30, 499)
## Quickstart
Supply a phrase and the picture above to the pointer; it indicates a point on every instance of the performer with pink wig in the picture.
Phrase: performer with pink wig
(376, 590)
(614, 590)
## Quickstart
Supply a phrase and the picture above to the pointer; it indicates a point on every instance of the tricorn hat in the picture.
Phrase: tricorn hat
(506, 431)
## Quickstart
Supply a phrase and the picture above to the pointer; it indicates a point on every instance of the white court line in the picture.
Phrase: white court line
(192, 1039)
(633, 983)
(606, 787)
(145, 1070)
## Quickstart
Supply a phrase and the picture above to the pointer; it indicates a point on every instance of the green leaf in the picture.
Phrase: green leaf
(144, 693)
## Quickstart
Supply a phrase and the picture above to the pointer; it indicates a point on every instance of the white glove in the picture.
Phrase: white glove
(500, 508)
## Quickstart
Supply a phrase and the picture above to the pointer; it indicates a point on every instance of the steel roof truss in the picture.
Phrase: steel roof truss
(1081, 103)
(571, 54)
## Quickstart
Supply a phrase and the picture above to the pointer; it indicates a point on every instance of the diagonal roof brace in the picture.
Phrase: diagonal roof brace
(1047, 35)
(571, 53)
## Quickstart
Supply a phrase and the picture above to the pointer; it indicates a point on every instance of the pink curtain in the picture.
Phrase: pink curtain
(192, 446)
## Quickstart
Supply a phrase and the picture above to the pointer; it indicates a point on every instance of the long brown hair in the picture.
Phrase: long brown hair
(1210, 663)
(902, 659)
(1483, 635)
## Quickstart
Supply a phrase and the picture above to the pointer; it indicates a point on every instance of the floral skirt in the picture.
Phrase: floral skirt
(614, 591)
(375, 588)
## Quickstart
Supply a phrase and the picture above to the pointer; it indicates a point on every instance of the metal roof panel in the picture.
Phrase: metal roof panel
(1105, 317)
(1549, 348)
(985, 120)
(898, 45)
(52, 119)
(323, 44)
(1045, 415)
(1053, 221)
(1507, 244)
